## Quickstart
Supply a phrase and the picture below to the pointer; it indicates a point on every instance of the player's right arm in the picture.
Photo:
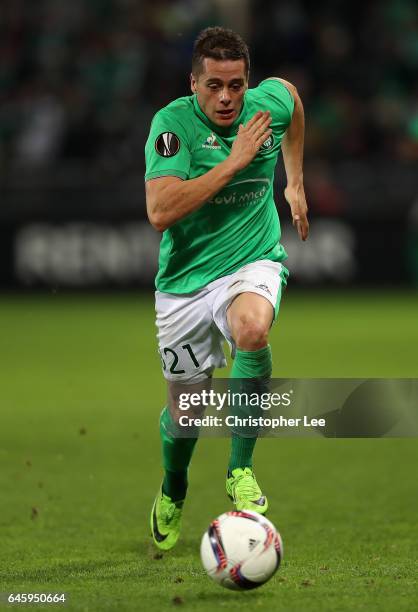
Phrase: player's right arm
(170, 198)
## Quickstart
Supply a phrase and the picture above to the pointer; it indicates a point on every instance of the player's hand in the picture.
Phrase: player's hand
(295, 197)
(249, 139)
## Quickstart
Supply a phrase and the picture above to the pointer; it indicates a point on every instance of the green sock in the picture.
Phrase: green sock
(255, 366)
(177, 453)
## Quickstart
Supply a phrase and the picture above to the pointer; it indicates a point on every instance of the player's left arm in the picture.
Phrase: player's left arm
(292, 150)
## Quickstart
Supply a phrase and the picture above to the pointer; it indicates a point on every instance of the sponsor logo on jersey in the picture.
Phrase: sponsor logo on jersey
(244, 196)
(211, 142)
(167, 144)
(268, 144)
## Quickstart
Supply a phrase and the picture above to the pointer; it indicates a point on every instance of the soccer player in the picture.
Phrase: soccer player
(210, 160)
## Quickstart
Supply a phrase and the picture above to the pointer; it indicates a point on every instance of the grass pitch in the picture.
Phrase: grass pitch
(81, 391)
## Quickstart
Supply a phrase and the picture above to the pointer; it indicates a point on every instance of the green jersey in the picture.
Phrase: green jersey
(238, 225)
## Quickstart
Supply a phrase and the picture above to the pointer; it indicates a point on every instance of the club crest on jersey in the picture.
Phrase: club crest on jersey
(211, 142)
(167, 144)
(268, 144)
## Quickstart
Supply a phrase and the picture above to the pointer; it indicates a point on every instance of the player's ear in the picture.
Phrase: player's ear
(193, 83)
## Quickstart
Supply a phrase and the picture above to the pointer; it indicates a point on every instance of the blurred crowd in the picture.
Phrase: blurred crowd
(81, 79)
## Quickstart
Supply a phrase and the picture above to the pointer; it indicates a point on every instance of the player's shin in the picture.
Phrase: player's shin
(250, 375)
(177, 452)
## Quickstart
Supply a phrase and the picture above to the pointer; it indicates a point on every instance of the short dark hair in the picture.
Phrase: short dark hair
(219, 44)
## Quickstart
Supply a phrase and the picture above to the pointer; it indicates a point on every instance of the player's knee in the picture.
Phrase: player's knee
(179, 397)
(250, 334)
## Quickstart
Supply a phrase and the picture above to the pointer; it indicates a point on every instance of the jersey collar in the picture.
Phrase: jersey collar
(231, 130)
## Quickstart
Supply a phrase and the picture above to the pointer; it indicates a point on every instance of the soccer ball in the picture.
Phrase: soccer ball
(241, 550)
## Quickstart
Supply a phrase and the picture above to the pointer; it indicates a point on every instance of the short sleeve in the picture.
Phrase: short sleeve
(167, 150)
(280, 99)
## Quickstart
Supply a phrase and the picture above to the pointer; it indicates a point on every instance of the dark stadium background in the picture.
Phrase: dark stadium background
(81, 80)
(80, 381)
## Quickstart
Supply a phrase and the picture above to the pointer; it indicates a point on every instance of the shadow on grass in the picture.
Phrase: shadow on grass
(183, 550)
(224, 595)
(142, 559)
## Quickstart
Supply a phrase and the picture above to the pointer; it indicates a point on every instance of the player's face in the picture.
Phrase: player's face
(220, 89)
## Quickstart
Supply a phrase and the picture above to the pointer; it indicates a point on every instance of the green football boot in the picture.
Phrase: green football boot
(243, 490)
(166, 521)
